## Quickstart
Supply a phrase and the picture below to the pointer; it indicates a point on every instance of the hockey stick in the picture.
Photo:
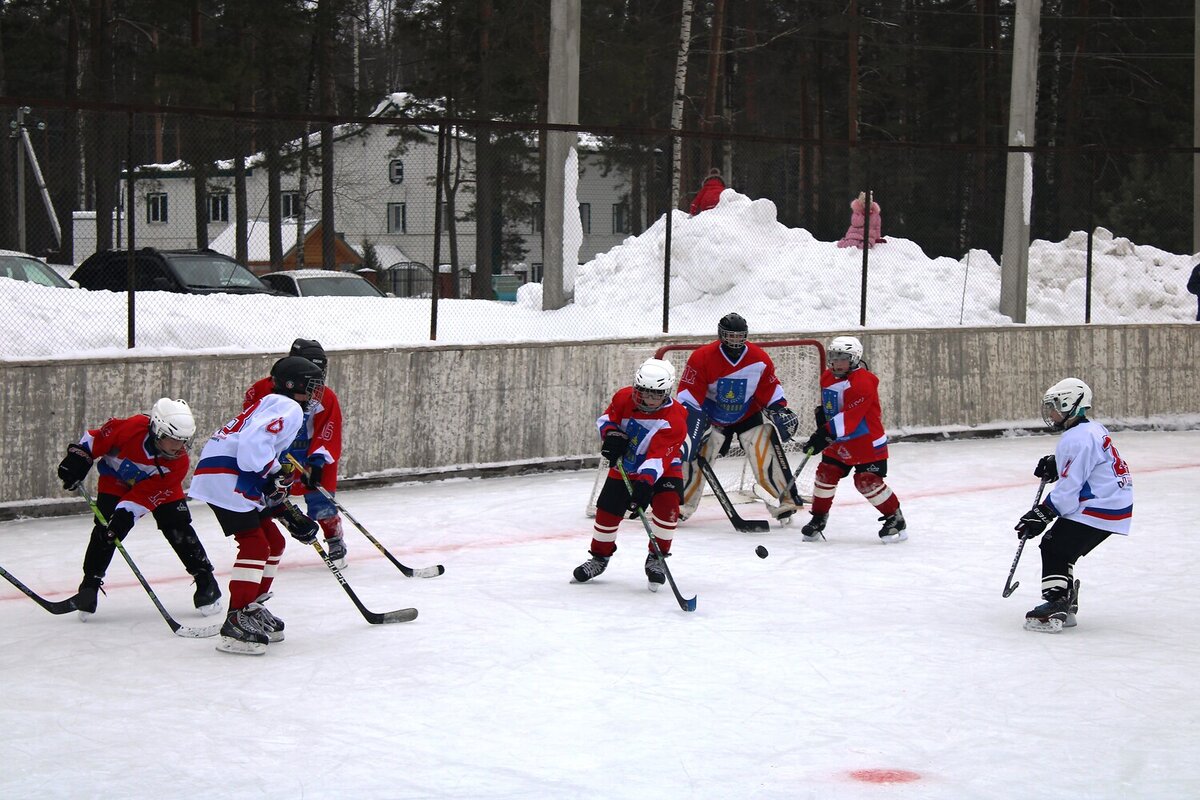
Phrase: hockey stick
(53, 606)
(179, 630)
(781, 456)
(1009, 585)
(422, 572)
(373, 617)
(686, 605)
(743, 525)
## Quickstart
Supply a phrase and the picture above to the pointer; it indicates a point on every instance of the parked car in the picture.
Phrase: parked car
(321, 283)
(185, 271)
(24, 267)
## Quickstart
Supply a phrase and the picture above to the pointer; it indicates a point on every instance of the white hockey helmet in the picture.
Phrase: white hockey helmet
(1070, 397)
(844, 348)
(172, 419)
(653, 383)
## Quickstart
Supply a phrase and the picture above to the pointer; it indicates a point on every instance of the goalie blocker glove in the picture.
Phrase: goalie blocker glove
(1035, 520)
(74, 466)
(1046, 469)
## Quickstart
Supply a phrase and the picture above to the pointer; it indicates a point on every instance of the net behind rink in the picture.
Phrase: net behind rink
(798, 365)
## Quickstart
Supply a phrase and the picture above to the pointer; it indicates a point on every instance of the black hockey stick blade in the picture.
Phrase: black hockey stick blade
(739, 523)
(373, 617)
(1010, 585)
(53, 606)
(409, 572)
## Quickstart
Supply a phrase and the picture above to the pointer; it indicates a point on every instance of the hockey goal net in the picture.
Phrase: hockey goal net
(798, 365)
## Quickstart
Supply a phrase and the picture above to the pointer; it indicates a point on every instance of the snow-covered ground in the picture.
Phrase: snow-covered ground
(735, 257)
(815, 673)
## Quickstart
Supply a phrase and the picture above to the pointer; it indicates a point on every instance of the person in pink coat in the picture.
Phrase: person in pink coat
(858, 214)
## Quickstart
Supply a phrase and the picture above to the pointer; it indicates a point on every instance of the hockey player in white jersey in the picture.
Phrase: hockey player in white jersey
(240, 476)
(1092, 498)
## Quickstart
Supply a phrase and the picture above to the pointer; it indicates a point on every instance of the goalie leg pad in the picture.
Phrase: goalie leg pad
(768, 472)
(693, 478)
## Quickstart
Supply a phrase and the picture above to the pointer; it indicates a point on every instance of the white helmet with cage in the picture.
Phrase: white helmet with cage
(653, 383)
(1070, 397)
(844, 348)
(172, 419)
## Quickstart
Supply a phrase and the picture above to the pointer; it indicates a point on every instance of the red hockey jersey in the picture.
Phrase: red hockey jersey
(854, 417)
(319, 439)
(131, 469)
(729, 391)
(655, 437)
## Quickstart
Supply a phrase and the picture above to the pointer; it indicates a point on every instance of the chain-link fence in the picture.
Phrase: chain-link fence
(445, 218)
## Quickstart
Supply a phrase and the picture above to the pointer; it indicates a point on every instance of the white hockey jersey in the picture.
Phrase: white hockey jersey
(235, 462)
(1094, 484)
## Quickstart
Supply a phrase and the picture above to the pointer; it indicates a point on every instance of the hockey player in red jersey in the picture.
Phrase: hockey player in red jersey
(1092, 499)
(318, 446)
(851, 438)
(646, 430)
(141, 461)
(241, 477)
(729, 387)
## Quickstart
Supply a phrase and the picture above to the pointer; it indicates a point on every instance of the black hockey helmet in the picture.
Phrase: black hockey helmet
(732, 331)
(312, 350)
(293, 375)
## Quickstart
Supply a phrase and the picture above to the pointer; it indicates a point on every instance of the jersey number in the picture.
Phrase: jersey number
(234, 425)
(1120, 468)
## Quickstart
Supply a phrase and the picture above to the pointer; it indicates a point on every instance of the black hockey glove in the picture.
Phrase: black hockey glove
(1046, 469)
(615, 444)
(74, 467)
(277, 486)
(820, 439)
(302, 527)
(119, 525)
(784, 420)
(641, 495)
(312, 479)
(1034, 521)
(819, 416)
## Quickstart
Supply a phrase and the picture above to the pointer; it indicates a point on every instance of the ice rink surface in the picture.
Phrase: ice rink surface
(843, 669)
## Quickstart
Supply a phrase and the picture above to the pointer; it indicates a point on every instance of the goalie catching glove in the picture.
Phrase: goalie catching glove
(1034, 521)
(784, 420)
(302, 528)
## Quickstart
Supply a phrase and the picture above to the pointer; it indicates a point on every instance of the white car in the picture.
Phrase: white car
(320, 283)
(24, 267)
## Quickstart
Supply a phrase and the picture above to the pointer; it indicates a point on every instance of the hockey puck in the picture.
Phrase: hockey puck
(760, 551)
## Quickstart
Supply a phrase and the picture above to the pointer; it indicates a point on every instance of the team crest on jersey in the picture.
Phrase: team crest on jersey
(731, 394)
(275, 425)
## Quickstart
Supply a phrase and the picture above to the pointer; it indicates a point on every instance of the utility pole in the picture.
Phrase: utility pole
(562, 108)
(25, 150)
(1018, 184)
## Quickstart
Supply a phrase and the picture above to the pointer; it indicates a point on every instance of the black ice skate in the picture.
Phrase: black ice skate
(1070, 621)
(1050, 616)
(207, 598)
(85, 599)
(813, 529)
(242, 635)
(337, 551)
(655, 575)
(591, 568)
(893, 529)
(271, 625)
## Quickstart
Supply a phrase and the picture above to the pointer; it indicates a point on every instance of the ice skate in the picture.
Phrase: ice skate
(1070, 621)
(337, 551)
(85, 599)
(813, 530)
(271, 625)
(207, 598)
(1050, 616)
(241, 634)
(893, 529)
(656, 576)
(591, 568)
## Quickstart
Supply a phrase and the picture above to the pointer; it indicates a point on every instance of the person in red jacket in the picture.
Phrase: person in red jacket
(142, 461)
(318, 446)
(644, 429)
(709, 194)
(850, 438)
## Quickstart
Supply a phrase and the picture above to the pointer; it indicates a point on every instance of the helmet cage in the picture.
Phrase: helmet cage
(732, 331)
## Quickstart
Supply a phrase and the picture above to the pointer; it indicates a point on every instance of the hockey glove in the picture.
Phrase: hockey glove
(312, 479)
(302, 528)
(641, 495)
(819, 416)
(74, 467)
(818, 441)
(1046, 469)
(119, 525)
(278, 485)
(616, 442)
(784, 420)
(1034, 521)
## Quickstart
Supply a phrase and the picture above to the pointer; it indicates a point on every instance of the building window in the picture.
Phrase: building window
(290, 202)
(396, 171)
(535, 272)
(585, 217)
(538, 221)
(156, 208)
(397, 218)
(218, 207)
(620, 218)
